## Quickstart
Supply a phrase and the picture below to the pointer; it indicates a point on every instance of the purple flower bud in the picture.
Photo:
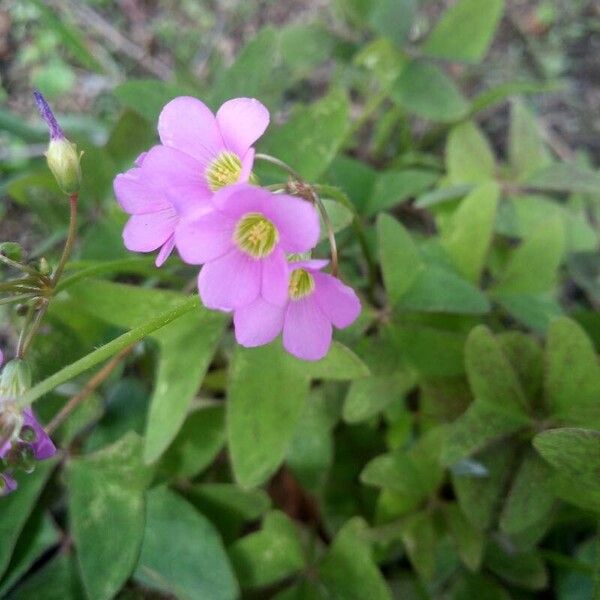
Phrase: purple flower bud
(62, 156)
(56, 133)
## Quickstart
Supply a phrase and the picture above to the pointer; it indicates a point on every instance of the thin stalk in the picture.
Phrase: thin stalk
(315, 199)
(28, 317)
(72, 233)
(15, 265)
(35, 326)
(19, 298)
(105, 352)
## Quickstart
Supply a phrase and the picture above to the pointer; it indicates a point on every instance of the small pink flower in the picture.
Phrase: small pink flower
(243, 244)
(199, 154)
(316, 301)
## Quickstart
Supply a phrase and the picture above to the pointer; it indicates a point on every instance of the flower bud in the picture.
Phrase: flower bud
(15, 379)
(62, 156)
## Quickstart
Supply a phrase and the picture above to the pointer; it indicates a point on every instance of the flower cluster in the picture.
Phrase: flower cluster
(196, 192)
(23, 440)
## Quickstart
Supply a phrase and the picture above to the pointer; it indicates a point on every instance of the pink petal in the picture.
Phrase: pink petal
(178, 176)
(10, 484)
(247, 164)
(165, 251)
(230, 282)
(140, 159)
(240, 199)
(339, 302)
(296, 220)
(306, 331)
(144, 233)
(258, 323)
(242, 121)
(134, 194)
(43, 446)
(188, 125)
(206, 238)
(312, 264)
(1, 357)
(275, 278)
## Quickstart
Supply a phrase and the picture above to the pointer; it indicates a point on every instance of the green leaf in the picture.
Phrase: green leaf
(533, 310)
(532, 267)
(526, 358)
(437, 289)
(479, 586)
(40, 534)
(269, 555)
(572, 375)
(468, 539)
(228, 506)
(499, 93)
(480, 426)
(492, 378)
(106, 510)
(393, 18)
(527, 151)
(400, 260)
(182, 553)
(471, 229)
(197, 444)
(16, 508)
(266, 396)
(565, 177)
(271, 62)
(425, 90)
(469, 156)
(348, 571)
(522, 214)
(574, 452)
(56, 580)
(339, 215)
(530, 499)
(419, 539)
(433, 352)
(340, 364)
(465, 31)
(479, 497)
(523, 569)
(394, 187)
(369, 396)
(309, 141)
(179, 373)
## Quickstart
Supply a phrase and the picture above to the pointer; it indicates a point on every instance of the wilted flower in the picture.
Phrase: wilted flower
(62, 156)
(200, 154)
(243, 244)
(23, 440)
(316, 301)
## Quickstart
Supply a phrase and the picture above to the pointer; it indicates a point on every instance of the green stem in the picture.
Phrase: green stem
(28, 317)
(72, 233)
(106, 351)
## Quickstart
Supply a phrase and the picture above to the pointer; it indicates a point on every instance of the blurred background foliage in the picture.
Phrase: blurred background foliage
(449, 445)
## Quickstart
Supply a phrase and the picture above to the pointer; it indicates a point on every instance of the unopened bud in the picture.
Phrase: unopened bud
(44, 267)
(62, 156)
(15, 379)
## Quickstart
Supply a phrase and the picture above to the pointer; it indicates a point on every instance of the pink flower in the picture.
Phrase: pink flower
(243, 244)
(200, 154)
(316, 301)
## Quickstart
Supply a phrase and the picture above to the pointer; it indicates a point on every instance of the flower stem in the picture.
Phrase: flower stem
(70, 240)
(314, 197)
(39, 317)
(106, 351)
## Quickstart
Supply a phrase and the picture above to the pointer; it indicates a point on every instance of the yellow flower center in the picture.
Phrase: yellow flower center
(302, 284)
(224, 170)
(256, 235)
